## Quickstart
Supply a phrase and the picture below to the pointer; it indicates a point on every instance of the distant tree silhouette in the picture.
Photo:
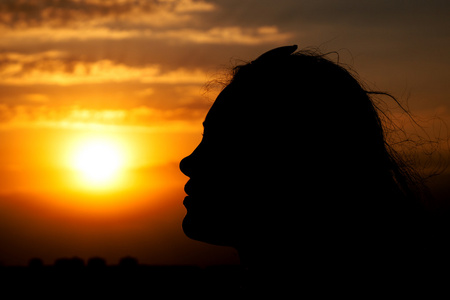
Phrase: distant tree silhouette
(74, 263)
(128, 262)
(35, 263)
(96, 263)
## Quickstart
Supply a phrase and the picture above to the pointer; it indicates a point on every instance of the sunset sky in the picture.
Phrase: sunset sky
(119, 85)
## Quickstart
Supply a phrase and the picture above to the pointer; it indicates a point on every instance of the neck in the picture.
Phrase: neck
(267, 272)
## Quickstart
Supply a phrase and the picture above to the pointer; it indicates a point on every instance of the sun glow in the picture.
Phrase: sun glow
(99, 163)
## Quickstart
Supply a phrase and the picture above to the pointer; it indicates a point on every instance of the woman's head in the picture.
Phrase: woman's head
(292, 145)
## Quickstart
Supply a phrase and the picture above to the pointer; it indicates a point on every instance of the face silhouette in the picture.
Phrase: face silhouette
(232, 177)
(293, 160)
(273, 142)
(215, 203)
(241, 174)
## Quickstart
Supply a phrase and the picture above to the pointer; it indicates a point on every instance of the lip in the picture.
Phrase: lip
(188, 187)
(193, 195)
(187, 202)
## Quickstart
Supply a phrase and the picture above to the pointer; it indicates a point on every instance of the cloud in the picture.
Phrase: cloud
(145, 93)
(228, 35)
(82, 20)
(73, 13)
(142, 115)
(233, 35)
(54, 67)
(36, 98)
(143, 118)
(48, 34)
(216, 35)
(37, 13)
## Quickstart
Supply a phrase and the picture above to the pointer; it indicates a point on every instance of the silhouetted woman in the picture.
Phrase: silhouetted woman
(294, 172)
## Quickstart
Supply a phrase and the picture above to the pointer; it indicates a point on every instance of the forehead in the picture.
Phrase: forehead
(223, 109)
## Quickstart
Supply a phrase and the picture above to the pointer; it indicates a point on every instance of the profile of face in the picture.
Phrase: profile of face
(218, 202)
(273, 143)
(237, 174)
(293, 170)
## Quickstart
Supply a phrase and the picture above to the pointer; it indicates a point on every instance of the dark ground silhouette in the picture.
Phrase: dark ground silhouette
(69, 277)
(72, 276)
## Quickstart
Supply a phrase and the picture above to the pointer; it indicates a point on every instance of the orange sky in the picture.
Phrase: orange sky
(131, 75)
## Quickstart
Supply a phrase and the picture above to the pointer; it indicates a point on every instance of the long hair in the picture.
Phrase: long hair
(310, 81)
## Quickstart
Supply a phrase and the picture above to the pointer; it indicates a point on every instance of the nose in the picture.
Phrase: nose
(186, 165)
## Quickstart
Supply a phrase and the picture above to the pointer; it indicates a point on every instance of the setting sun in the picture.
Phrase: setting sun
(98, 162)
